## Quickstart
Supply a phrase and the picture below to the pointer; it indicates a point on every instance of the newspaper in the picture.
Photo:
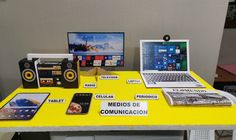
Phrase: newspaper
(187, 96)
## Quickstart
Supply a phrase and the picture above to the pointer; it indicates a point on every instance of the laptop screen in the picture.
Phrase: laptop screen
(164, 56)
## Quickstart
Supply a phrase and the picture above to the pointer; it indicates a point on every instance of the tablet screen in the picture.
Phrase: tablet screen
(23, 106)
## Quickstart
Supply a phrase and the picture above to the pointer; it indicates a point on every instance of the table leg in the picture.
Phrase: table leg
(234, 135)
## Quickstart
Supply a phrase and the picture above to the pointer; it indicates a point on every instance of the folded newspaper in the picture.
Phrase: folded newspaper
(189, 96)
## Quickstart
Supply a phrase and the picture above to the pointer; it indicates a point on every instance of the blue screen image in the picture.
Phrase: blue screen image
(97, 49)
(90, 43)
(164, 56)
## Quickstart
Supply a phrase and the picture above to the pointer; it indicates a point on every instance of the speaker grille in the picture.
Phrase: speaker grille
(28, 75)
(70, 75)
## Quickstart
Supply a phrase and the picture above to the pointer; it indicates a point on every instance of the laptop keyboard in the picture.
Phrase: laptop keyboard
(152, 78)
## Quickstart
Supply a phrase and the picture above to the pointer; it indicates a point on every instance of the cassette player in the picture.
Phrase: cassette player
(39, 72)
(50, 74)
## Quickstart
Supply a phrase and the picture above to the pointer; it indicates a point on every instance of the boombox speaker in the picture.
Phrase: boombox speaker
(36, 72)
(70, 74)
(28, 73)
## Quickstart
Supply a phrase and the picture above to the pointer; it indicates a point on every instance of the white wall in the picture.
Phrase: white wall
(41, 26)
(228, 47)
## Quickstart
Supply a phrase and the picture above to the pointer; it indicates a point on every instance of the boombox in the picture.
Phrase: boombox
(37, 71)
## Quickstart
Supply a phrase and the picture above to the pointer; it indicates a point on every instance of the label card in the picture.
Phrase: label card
(56, 101)
(104, 96)
(109, 77)
(146, 97)
(134, 81)
(90, 85)
(124, 108)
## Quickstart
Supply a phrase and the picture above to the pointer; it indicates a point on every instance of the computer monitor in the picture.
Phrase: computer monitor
(165, 56)
(97, 49)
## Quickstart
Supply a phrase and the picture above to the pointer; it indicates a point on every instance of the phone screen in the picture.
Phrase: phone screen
(80, 103)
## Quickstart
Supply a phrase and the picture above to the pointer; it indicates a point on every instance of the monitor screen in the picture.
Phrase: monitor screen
(164, 56)
(96, 49)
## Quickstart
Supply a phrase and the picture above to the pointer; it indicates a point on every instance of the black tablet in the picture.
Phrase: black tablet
(23, 106)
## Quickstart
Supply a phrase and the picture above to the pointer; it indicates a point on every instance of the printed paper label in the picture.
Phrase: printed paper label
(90, 85)
(124, 108)
(104, 96)
(134, 81)
(146, 96)
(56, 100)
(109, 77)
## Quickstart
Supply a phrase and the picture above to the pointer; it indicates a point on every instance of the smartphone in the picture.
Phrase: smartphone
(80, 103)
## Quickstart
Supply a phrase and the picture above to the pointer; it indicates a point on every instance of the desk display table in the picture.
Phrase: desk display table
(161, 116)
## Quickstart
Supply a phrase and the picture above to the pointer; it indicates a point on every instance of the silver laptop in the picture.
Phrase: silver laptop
(166, 64)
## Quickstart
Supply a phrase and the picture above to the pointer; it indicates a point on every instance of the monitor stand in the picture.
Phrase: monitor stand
(98, 71)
